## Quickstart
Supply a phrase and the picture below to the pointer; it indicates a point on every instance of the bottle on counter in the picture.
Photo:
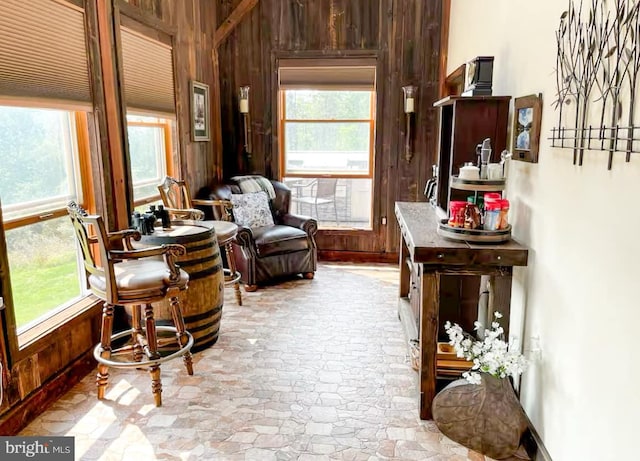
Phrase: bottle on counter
(504, 214)
(492, 210)
(456, 213)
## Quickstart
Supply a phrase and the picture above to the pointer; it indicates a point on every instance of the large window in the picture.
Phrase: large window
(327, 154)
(39, 174)
(150, 154)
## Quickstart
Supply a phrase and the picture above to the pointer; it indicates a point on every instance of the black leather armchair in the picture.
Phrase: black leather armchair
(263, 254)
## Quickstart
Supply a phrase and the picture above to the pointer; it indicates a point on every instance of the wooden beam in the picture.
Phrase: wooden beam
(444, 45)
(232, 21)
(216, 114)
(115, 134)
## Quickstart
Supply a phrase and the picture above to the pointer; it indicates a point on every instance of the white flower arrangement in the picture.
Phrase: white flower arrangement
(490, 355)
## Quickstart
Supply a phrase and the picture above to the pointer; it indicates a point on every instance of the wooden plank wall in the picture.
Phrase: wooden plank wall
(193, 23)
(404, 34)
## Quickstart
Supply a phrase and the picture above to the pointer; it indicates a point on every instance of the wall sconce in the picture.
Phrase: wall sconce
(243, 97)
(409, 92)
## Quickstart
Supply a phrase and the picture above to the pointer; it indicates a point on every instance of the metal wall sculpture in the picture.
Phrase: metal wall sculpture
(598, 63)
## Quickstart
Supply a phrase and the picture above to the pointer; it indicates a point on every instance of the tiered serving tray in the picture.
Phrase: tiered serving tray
(484, 185)
(475, 235)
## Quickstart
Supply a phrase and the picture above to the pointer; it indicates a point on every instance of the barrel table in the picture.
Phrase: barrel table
(203, 300)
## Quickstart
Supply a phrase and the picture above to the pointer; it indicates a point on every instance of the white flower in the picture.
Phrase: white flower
(490, 354)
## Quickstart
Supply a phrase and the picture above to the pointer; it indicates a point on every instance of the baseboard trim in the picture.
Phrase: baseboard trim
(533, 444)
(25, 411)
(357, 256)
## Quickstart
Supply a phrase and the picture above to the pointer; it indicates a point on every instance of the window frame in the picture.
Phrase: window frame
(21, 342)
(285, 173)
(166, 126)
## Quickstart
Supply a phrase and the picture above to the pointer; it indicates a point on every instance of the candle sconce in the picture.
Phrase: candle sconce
(409, 92)
(243, 97)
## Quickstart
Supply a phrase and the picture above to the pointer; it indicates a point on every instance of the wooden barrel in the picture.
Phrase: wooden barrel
(202, 302)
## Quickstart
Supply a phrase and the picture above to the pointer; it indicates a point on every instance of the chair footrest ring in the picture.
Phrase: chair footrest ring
(229, 278)
(144, 362)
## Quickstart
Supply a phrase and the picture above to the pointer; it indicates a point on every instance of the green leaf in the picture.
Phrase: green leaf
(610, 52)
(564, 14)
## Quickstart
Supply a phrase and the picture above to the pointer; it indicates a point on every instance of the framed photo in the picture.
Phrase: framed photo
(527, 116)
(200, 119)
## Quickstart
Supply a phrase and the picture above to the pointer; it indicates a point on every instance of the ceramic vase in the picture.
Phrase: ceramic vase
(485, 417)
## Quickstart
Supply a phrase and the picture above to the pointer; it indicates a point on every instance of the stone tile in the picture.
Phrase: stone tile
(304, 370)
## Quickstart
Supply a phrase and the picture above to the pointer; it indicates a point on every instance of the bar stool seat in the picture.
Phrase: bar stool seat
(226, 232)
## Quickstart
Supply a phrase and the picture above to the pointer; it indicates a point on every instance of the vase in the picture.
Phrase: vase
(485, 417)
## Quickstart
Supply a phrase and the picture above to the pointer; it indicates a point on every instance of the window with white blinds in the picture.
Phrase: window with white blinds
(43, 55)
(148, 74)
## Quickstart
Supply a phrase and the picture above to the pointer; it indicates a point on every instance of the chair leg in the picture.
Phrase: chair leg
(317, 215)
(156, 384)
(183, 338)
(102, 378)
(136, 334)
(228, 248)
(152, 353)
(151, 348)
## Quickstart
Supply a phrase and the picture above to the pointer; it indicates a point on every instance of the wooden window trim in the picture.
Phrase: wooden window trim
(168, 152)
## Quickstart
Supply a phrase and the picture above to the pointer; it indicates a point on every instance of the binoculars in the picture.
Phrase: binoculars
(145, 222)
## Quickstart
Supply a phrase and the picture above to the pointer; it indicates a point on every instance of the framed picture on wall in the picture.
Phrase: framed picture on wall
(200, 119)
(527, 116)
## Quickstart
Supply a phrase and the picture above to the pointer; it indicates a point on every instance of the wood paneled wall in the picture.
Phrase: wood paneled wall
(192, 22)
(405, 36)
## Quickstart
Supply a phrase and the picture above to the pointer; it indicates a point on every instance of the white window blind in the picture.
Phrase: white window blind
(43, 54)
(329, 74)
(148, 74)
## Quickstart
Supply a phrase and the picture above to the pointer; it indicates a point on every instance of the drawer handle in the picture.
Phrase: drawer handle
(440, 255)
(499, 258)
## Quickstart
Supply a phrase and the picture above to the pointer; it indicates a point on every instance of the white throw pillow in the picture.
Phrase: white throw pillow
(252, 210)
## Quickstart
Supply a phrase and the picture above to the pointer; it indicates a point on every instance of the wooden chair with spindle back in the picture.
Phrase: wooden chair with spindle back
(135, 277)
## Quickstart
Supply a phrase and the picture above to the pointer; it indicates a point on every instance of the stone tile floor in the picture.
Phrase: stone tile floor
(305, 370)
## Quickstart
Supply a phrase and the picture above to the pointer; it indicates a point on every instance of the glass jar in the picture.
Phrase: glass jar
(456, 213)
(504, 214)
(492, 209)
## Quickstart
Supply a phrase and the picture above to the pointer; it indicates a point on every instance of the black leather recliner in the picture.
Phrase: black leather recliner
(264, 254)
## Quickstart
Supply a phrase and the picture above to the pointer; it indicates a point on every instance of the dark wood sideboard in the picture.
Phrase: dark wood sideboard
(426, 260)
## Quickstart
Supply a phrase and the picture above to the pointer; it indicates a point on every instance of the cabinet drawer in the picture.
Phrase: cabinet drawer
(474, 257)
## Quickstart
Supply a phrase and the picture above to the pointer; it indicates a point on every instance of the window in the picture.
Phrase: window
(39, 174)
(327, 154)
(150, 154)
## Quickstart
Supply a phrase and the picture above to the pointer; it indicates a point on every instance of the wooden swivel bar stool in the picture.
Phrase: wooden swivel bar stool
(133, 277)
(226, 232)
(176, 198)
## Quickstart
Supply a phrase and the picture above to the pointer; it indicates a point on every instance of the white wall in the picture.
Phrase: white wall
(581, 224)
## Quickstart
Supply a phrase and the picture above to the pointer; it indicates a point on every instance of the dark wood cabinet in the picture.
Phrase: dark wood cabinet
(465, 121)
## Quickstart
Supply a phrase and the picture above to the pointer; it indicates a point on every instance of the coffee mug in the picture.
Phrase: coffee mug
(494, 171)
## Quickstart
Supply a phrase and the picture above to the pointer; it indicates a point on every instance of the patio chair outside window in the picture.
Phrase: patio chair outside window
(322, 192)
